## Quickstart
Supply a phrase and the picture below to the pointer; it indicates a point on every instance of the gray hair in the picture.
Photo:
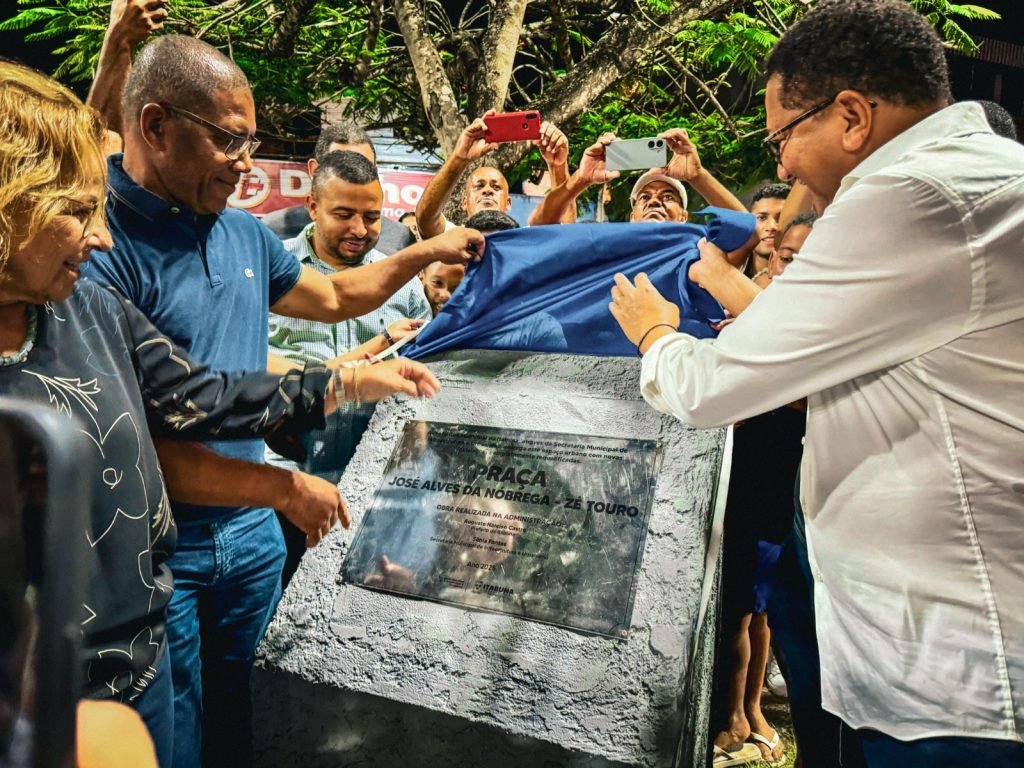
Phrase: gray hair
(181, 71)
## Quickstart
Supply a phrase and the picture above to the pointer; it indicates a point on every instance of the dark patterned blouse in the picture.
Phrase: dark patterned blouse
(100, 362)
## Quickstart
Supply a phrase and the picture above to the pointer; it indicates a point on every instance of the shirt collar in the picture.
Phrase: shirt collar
(125, 190)
(955, 120)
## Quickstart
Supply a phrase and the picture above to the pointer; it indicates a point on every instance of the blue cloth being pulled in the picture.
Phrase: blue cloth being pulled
(547, 289)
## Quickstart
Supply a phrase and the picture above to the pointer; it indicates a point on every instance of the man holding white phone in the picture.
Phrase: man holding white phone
(658, 195)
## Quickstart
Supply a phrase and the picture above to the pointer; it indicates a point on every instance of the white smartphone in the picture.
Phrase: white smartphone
(636, 154)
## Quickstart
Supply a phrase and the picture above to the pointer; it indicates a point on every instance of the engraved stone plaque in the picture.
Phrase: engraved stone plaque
(542, 525)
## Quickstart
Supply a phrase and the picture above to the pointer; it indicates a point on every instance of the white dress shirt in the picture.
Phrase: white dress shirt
(902, 320)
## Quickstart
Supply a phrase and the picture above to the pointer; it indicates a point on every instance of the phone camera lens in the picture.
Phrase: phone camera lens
(650, 145)
(526, 126)
(660, 143)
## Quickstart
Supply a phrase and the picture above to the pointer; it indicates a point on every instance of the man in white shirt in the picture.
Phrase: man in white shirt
(903, 324)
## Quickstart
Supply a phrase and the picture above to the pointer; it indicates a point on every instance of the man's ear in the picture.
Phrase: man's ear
(686, 216)
(152, 125)
(857, 112)
(508, 202)
(311, 166)
(311, 206)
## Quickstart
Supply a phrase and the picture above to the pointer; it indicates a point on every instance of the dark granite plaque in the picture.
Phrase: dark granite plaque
(542, 525)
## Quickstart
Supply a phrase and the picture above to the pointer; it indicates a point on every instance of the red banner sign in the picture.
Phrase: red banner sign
(274, 184)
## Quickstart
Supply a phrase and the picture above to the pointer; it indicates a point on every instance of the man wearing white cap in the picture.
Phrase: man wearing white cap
(658, 195)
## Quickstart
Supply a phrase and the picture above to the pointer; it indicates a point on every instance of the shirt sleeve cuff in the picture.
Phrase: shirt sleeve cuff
(650, 386)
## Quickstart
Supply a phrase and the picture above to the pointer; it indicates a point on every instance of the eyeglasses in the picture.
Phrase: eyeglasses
(236, 146)
(773, 143)
(86, 213)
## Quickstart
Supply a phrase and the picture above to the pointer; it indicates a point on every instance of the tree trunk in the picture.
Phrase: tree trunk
(282, 42)
(439, 102)
(489, 86)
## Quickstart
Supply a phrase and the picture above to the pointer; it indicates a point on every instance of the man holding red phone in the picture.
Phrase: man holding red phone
(486, 187)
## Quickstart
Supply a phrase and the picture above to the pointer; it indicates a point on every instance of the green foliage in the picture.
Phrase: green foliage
(727, 55)
(940, 14)
(705, 80)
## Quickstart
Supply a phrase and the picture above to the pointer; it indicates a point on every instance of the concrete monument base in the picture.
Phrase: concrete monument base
(353, 677)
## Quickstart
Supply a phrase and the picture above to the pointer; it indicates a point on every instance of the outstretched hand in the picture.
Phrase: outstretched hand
(375, 382)
(553, 144)
(458, 245)
(399, 329)
(640, 308)
(472, 144)
(314, 505)
(685, 162)
(711, 268)
(593, 168)
(132, 21)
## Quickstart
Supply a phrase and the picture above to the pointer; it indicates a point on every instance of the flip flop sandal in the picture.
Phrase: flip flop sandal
(747, 753)
(771, 744)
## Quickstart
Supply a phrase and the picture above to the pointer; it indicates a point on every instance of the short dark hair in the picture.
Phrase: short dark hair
(999, 120)
(776, 191)
(345, 165)
(344, 132)
(805, 219)
(181, 71)
(491, 221)
(881, 47)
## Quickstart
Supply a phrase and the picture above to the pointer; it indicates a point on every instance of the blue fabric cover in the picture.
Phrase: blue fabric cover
(533, 281)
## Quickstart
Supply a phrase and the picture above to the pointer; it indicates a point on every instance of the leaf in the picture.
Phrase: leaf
(971, 11)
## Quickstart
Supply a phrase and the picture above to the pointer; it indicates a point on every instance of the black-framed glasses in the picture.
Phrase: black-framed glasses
(773, 142)
(236, 146)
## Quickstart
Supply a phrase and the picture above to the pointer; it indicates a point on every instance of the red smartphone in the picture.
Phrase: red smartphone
(513, 126)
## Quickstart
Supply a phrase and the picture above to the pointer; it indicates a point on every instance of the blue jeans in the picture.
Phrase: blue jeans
(156, 708)
(881, 751)
(227, 581)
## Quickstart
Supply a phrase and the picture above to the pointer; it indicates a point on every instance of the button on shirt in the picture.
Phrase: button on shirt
(902, 319)
(207, 282)
(299, 340)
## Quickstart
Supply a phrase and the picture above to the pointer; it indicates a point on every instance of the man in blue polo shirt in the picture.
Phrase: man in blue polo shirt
(208, 277)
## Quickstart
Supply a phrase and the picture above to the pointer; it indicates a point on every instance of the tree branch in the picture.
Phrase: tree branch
(373, 25)
(282, 42)
(561, 33)
(488, 88)
(625, 46)
(439, 102)
(533, 29)
(706, 90)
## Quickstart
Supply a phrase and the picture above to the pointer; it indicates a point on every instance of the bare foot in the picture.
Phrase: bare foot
(734, 735)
